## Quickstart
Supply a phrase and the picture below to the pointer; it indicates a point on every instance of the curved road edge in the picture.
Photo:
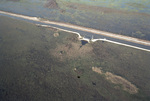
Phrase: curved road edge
(126, 38)
(94, 40)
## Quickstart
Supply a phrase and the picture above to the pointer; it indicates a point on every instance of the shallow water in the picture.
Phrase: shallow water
(134, 5)
(121, 23)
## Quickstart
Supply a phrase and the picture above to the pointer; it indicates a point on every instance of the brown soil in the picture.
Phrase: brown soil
(56, 34)
(71, 50)
(98, 70)
(127, 86)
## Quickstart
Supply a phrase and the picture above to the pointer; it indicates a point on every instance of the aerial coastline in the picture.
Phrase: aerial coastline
(45, 62)
(139, 41)
(130, 39)
(74, 50)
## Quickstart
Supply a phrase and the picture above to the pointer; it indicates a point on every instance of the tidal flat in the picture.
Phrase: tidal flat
(43, 64)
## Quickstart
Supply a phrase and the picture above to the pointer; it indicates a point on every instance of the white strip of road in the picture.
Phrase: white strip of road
(127, 38)
(94, 40)
(130, 39)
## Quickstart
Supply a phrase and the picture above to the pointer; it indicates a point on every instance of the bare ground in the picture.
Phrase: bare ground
(71, 50)
(127, 86)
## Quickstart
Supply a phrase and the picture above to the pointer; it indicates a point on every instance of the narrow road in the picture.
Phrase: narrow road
(87, 32)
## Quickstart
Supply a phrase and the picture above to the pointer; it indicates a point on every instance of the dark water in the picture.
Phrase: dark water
(83, 42)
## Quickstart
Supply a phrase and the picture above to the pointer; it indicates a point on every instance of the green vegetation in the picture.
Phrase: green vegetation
(43, 64)
(134, 5)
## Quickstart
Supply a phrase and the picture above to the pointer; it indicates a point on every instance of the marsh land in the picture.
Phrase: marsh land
(38, 63)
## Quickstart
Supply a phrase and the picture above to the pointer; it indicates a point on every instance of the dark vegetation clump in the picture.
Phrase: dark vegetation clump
(51, 4)
(94, 83)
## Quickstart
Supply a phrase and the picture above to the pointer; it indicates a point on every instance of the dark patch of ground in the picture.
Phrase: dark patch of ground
(51, 4)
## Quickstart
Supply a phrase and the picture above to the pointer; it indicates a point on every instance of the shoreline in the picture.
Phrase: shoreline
(94, 31)
(79, 36)
(94, 40)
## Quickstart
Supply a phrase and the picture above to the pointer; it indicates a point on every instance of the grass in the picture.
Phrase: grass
(29, 69)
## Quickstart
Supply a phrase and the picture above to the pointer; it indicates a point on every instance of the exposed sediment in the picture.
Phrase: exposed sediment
(115, 79)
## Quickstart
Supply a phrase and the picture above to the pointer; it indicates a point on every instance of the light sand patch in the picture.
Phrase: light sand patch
(71, 50)
(127, 86)
(56, 34)
(98, 70)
